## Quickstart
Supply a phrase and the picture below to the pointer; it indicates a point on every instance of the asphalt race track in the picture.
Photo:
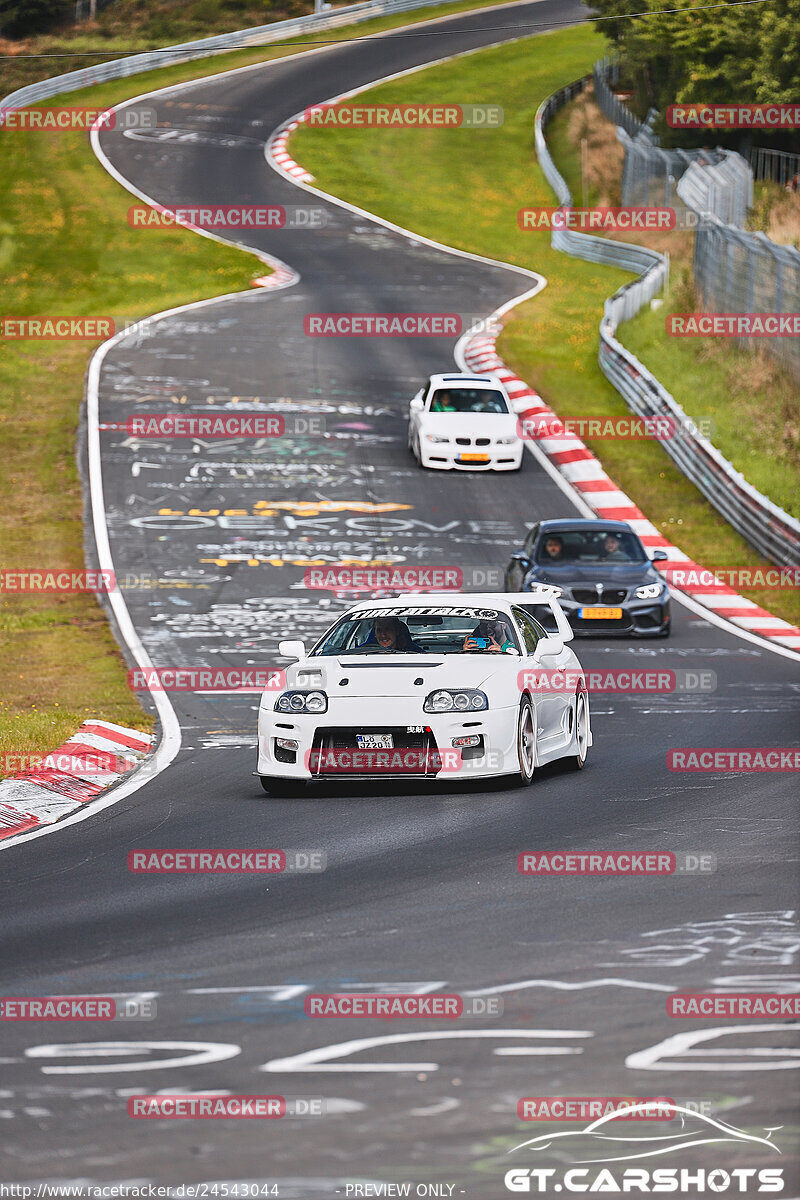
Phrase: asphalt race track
(421, 885)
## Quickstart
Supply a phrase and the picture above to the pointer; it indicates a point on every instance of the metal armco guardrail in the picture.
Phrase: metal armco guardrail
(773, 532)
(259, 35)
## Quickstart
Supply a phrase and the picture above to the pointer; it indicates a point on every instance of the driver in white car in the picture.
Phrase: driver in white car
(490, 635)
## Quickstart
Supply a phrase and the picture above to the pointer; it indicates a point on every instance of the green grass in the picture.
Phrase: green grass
(464, 189)
(66, 249)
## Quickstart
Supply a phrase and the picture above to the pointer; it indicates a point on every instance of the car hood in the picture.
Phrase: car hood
(373, 675)
(587, 574)
(470, 424)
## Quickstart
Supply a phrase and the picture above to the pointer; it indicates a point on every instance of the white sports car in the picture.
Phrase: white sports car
(456, 686)
(464, 423)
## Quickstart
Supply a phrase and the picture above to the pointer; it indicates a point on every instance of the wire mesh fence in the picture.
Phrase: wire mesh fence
(777, 165)
(711, 190)
(773, 532)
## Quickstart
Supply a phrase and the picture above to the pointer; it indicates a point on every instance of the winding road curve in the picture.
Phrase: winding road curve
(421, 885)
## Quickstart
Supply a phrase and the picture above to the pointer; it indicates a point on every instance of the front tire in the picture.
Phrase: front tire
(581, 729)
(526, 743)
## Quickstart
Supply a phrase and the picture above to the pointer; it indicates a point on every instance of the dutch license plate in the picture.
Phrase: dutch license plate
(374, 741)
(473, 458)
(600, 614)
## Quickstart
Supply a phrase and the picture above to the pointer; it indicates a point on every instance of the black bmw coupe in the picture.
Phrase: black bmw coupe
(608, 583)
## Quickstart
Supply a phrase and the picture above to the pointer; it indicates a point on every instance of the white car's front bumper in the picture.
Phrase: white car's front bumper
(411, 729)
(446, 457)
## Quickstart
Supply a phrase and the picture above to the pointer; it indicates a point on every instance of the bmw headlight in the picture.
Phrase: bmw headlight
(435, 437)
(463, 700)
(649, 591)
(302, 702)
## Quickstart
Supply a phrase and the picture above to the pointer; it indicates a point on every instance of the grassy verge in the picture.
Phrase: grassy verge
(66, 249)
(429, 181)
(754, 404)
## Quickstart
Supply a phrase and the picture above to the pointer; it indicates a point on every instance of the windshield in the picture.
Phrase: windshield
(420, 631)
(589, 546)
(468, 400)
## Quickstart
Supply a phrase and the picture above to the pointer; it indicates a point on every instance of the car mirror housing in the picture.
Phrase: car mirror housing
(549, 647)
(658, 556)
(416, 404)
(292, 649)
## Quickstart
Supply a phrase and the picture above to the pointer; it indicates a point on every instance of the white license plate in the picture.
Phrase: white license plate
(374, 741)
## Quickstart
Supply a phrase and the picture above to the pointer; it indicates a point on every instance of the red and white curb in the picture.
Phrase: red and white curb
(280, 155)
(282, 276)
(29, 800)
(585, 475)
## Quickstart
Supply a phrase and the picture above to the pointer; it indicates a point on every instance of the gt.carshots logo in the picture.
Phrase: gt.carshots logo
(680, 1181)
(617, 1140)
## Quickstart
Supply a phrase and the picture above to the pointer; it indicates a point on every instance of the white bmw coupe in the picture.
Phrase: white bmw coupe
(453, 686)
(464, 423)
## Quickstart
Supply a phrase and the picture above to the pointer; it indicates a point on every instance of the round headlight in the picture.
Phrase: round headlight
(316, 702)
(461, 701)
(297, 703)
(283, 704)
(477, 702)
(441, 702)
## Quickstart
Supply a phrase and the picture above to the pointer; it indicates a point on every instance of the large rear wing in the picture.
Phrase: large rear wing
(542, 594)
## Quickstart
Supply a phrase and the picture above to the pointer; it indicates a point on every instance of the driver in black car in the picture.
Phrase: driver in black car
(612, 548)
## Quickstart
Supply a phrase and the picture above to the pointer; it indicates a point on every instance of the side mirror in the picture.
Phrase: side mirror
(521, 557)
(292, 649)
(416, 405)
(658, 556)
(548, 647)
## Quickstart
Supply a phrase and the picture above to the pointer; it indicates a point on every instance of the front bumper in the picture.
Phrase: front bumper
(640, 619)
(326, 744)
(444, 457)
